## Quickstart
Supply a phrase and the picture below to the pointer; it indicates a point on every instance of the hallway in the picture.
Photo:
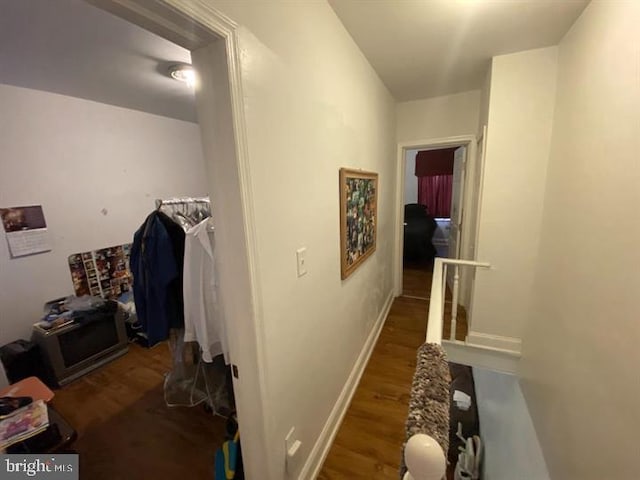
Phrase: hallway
(368, 444)
(371, 435)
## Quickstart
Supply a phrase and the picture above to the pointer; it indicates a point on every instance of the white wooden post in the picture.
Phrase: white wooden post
(434, 322)
(445, 271)
(454, 300)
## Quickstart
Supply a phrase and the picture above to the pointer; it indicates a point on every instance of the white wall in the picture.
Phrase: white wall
(511, 446)
(580, 351)
(520, 117)
(432, 119)
(438, 117)
(231, 197)
(410, 179)
(485, 97)
(76, 158)
(311, 107)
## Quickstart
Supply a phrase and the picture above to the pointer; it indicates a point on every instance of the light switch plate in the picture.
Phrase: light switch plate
(301, 257)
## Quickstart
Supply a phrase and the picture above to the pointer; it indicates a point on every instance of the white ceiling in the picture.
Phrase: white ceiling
(427, 48)
(72, 48)
(420, 48)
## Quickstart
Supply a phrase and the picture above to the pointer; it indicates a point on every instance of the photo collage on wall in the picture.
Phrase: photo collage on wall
(358, 212)
(102, 273)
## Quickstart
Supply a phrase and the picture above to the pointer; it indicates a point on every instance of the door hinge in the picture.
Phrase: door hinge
(234, 370)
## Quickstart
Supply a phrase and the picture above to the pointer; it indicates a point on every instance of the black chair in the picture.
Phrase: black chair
(419, 228)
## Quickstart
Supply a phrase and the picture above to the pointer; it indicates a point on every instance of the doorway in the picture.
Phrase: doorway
(452, 211)
(211, 39)
(433, 195)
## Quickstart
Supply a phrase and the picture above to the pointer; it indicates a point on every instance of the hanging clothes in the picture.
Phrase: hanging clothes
(203, 317)
(157, 280)
(177, 237)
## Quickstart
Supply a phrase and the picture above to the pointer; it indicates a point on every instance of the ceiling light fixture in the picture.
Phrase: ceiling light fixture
(183, 73)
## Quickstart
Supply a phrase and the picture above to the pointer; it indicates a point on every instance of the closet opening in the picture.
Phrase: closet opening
(145, 201)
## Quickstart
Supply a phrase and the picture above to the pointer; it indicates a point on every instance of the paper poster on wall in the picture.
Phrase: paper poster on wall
(102, 273)
(26, 230)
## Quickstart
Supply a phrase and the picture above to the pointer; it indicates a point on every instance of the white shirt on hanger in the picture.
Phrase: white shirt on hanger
(203, 318)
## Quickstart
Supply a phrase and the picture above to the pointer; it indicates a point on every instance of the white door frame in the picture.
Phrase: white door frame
(195, 24)
(468, 141)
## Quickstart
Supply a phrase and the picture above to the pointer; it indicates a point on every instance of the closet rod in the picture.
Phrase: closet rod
(181, 201)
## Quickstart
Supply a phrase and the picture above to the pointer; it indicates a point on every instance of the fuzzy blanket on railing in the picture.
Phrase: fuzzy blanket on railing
(429, 403)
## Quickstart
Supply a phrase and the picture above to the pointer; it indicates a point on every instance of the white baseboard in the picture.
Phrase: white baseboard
(491, 358)
(508, 344)
(321, 448)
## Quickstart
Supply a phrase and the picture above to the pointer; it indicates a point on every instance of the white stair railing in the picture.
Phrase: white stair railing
(424, 457)
(435, 323)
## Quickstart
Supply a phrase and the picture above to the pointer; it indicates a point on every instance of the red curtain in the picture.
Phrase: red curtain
(435, 193)
(435, 162)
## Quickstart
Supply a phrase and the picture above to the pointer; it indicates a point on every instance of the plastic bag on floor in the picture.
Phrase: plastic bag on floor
(192, 381)
(180, 384)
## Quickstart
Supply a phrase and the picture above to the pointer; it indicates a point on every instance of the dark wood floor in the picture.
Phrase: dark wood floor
(368, 443)
(416, 283)
(416, 280)
(125, 430)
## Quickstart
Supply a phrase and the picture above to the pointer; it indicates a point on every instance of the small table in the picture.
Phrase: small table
(58, 436)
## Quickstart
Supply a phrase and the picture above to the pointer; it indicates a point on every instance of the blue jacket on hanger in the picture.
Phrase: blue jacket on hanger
(154, 268)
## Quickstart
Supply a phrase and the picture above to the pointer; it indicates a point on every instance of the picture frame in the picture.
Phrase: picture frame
(358, 218)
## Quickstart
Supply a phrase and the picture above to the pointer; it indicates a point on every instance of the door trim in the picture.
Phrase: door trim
(194, 24)
(468, 141)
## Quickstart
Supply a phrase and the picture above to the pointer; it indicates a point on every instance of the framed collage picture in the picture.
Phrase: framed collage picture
(358, 218)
